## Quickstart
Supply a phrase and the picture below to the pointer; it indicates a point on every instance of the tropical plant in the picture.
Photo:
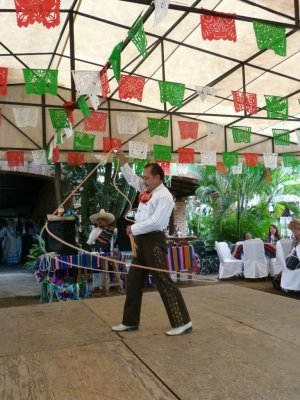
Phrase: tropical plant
(36, 250)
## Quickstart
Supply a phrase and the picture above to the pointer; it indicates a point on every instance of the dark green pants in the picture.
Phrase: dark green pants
(152, 252)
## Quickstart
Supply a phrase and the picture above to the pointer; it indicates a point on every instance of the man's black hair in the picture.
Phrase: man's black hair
(156, 169)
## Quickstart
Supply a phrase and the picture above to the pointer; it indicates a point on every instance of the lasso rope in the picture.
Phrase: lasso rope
(45, 227)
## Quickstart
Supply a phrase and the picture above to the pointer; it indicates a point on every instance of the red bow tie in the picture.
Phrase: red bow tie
(144, 197)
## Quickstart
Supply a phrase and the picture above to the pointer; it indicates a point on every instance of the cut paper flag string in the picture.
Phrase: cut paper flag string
(251, 159)
(76, 159)
(208, 158)
(88, 83)
(40, 81)
(268, 176)
(69, 107)
(3, 81)
(138, 37)
(58, 139)
(277, 107)
(161, 10)
(39, 157)
(46, 12)
(59, 118)
(218, 27)
(110, 143)
(139, 166)
(162, 153)
(281, 137)
(188, 130)
(204, 91)
(221, 168)
(127, 125)
(26, 116)
(171, 92)
(159, 127)
(186, 156)
(138, 150)
(230, 158)
(131, 87)
(270, 37)
(55, 154)
(241, 134)
(166, 167)
(214, 131)
(83, 142)
(15, 158)
(83, 106)
(270, 160)
(104, 82)
(290, 160)
(96, 122)
(209, 170)
(237, 169)
(253, 169)
(115, 60)
(245, 101)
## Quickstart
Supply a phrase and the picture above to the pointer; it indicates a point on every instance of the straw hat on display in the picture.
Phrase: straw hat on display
(103, 215)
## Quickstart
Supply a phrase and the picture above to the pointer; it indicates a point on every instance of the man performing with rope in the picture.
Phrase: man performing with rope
(155, 207)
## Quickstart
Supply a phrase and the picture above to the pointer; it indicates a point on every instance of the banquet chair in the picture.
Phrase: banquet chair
(276, 264)
(255, 263)
(290, 279)
(229, 266)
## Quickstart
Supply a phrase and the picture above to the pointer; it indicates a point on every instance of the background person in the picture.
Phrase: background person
(247, 236)
(11, 243)
(152, 218)
(273, 235)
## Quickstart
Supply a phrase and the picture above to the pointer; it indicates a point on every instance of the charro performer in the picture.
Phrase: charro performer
(155, 207)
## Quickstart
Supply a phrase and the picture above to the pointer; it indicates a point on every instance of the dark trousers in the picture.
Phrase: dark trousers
(152, 252)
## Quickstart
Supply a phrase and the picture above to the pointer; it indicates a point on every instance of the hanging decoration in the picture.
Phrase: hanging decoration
(204, 91)
(218, 27)
(253, 169)
(208, 157)
(251, 159)
(214, 131)
(188, 130)
(166, 166)
(110, 143)
(69, 107)
(138, 37)
(161, 10)
(237, 169)
(76, 159)
(59, 118)
(131, 87)
(55, 155)
(290, 160)
(104, 82)
(26, 116)
(40, 81)
(3, 81)
(277, 107)
(138, 150)
(281, 137)
(84, 108)
(127, 125)
(241, 134)
(270, 37)
(270, 160)
(245, 101)
(39, 157)
(88, 83)
(46, 12)
(268, 176)
(186, 156)
(115, 60)
(221, 168)
(139, 166)
(83, 141)
(162, 153)
(159, 127)
(209, 170)
(230, 158)
(171, 92)
(96, 122)
(15, 158)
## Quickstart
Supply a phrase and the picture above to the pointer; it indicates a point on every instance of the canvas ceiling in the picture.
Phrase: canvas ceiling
(90, 29)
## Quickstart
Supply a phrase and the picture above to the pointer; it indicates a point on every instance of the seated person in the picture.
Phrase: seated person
(294, 262)
(247, 236)
(273, 235)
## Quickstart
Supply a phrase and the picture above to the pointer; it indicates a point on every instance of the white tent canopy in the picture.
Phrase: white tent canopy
(88, 32)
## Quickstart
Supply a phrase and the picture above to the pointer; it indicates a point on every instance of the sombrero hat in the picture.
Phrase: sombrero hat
(102, 214)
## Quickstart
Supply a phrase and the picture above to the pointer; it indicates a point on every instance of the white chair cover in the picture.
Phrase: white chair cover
(290, 279)
(276, 264)
(255, 262)
(229, 266)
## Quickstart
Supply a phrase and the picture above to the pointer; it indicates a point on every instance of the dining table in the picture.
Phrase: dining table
(237, 250)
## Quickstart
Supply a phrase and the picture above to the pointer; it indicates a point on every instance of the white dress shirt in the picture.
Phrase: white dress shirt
(155, 214)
